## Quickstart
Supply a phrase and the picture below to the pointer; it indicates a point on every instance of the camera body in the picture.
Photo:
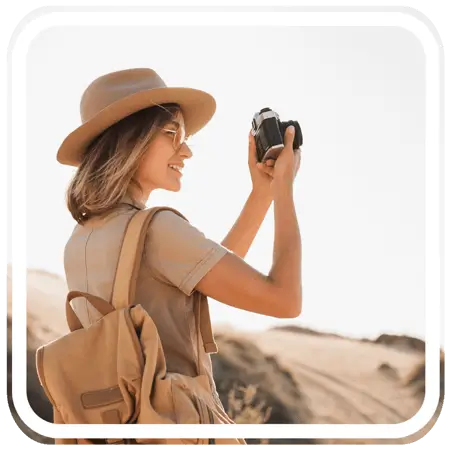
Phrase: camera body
(269, 131)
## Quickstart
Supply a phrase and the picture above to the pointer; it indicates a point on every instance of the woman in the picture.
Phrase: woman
(132, 142)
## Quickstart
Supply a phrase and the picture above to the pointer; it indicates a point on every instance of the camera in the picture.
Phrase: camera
(269, 131)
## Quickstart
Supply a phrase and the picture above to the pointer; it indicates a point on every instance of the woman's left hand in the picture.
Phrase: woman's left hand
(262, 174)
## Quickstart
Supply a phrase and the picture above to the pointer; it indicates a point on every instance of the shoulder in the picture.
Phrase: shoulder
(168, 220)
(171, 229)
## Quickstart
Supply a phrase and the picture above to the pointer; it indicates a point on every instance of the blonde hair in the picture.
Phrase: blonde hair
(111, 160)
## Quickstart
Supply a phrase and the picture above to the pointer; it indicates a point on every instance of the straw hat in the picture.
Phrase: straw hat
(116, 95)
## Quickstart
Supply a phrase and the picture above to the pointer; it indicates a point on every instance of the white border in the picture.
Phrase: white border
(220, 18)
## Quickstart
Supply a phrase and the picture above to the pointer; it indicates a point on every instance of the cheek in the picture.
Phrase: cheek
(154, 164)
(149, 167)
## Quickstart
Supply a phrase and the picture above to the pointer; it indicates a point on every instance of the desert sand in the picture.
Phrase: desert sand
(300, 375)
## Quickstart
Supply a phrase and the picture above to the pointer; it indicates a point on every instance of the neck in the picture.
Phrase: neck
(138, 195)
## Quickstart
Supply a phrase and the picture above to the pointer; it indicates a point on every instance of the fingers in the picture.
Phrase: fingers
(286, 153)
(251, 149)
(289, 137)
(251, 138)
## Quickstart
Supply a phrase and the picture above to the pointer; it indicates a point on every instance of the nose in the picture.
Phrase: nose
(185, 151)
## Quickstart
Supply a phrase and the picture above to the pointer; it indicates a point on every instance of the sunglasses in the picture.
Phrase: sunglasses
(178, 135)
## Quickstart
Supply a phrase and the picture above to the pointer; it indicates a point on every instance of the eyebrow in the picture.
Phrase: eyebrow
(173, 122)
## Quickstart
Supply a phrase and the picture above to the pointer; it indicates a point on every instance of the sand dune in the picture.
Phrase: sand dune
(304, 376)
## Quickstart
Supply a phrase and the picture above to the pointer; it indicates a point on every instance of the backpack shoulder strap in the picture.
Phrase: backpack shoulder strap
(128, 268)
(204, 330)
(204, 324)
(131, 255)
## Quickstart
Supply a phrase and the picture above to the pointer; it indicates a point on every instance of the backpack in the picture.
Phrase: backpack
(114, 371)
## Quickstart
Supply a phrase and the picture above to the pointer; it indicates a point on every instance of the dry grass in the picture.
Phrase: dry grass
(242, 408)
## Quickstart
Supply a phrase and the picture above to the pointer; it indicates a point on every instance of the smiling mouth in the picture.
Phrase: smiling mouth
(176, 169)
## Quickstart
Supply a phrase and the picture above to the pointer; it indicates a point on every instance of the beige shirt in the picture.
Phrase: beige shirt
(176, 257)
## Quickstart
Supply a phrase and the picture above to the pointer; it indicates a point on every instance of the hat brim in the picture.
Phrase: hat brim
(197, 106)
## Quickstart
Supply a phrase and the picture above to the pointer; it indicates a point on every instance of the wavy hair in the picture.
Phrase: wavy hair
(111, 160)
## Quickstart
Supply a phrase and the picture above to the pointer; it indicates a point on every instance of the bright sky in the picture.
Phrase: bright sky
(359, 95)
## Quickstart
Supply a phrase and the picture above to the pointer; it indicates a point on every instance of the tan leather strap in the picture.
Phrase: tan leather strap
(204, 330)
(130, 256)
(209, 343)
(98, 303)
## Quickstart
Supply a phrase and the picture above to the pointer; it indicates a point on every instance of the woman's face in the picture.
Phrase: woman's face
(162, 163)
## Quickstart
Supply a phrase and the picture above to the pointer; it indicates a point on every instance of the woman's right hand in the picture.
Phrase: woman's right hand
(285, 168)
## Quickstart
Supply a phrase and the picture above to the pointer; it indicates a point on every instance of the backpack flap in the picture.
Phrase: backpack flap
(80, 376)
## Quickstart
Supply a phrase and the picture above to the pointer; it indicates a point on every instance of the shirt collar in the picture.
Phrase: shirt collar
(131, 201)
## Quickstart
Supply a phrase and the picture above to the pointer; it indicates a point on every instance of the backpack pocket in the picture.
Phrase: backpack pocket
(190, 398)
(193, 403)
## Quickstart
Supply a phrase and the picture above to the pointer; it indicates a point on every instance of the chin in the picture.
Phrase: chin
(173, 188)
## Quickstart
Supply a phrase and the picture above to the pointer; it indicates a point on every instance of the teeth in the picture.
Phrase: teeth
(176, 167)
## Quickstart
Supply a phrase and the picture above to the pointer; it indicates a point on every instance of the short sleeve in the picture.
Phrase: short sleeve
(178, 253)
